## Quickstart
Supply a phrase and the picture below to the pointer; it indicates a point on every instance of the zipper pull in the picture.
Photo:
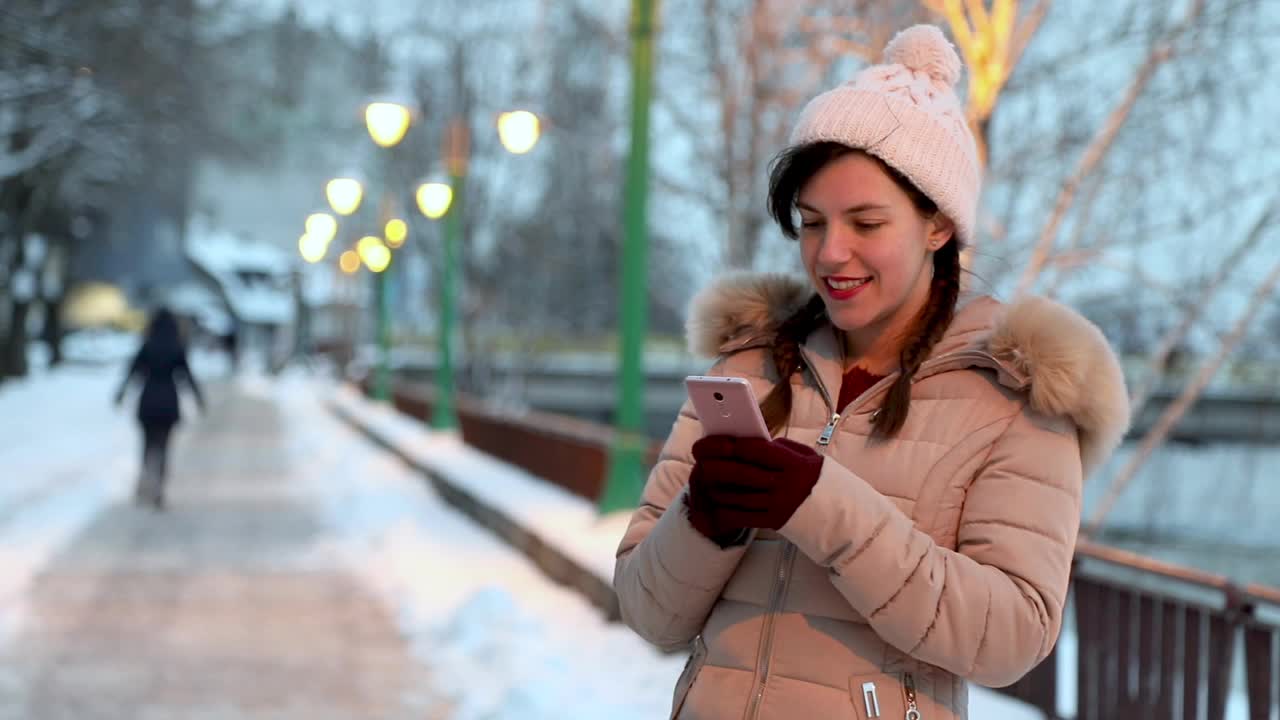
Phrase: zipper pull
(825, 438)
(869, 699)
(909, 684)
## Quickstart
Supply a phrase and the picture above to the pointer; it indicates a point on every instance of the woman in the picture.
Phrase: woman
(160, 362)
(911, 526)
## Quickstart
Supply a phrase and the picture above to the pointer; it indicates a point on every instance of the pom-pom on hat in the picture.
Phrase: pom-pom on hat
(906, 112)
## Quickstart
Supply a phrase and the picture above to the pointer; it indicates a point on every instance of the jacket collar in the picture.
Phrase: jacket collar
(1037, 346)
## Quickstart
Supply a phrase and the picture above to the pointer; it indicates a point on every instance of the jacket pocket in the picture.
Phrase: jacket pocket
(892, 696)
(691, 668)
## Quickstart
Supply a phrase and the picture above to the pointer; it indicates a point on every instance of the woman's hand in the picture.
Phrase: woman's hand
(739, 483)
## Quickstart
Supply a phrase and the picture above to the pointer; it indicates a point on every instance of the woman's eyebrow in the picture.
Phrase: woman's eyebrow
(861, 207)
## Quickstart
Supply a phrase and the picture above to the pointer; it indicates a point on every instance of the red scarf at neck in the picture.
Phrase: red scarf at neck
(855, 382)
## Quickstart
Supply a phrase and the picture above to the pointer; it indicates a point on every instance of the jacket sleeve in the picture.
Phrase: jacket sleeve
(191, 379)
(135, 368)
(989, 611)
(668, 575)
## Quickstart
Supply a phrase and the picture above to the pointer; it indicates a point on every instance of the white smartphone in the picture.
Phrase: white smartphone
(726, 406)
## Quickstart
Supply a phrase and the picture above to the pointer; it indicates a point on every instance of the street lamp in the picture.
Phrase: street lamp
(314, 243)
(373, 253)
(322, 226)
(344, 194)
(434, 199)
(349, 262)
(519, 131)
(396, 231)
(626, 460)
(312, 248)
(387, 122)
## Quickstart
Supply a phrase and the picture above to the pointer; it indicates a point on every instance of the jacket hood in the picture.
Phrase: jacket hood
(1058, 357)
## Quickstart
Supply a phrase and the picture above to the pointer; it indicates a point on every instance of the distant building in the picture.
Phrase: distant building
(256, 283)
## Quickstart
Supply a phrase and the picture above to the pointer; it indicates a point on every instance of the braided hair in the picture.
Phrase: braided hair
(776, 406)
(791, 170)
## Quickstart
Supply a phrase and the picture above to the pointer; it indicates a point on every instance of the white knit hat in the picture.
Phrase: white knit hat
(906, 113)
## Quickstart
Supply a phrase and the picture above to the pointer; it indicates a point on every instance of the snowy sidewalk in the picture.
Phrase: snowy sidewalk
(301, 564)
(218, 608)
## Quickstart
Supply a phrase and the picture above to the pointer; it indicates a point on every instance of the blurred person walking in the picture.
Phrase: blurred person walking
(159, 364)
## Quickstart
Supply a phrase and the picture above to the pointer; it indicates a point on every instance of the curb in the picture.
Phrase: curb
(555, 564)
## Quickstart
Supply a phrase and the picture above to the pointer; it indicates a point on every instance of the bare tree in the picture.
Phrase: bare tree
(97, 103)
(1156, 436)
(1101, 142)
(1147, 169)
(1158, 357)
(992, 41)
(734, 77)
(52, 117)
(569, 227)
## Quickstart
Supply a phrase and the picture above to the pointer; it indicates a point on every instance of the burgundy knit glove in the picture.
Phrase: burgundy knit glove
(749, 482)
(702, 509)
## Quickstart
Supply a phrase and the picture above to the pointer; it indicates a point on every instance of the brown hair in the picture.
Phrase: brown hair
(790, 171)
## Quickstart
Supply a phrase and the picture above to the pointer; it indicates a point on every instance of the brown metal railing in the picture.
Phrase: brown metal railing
(1153, 640)
(1262, 653)
(571, 453)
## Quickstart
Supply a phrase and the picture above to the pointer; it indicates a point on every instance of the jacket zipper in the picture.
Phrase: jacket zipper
(829, 430)
(766, 639)
(783, 578)
(909, 684)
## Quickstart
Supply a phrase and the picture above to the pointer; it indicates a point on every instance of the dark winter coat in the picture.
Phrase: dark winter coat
(159, 364)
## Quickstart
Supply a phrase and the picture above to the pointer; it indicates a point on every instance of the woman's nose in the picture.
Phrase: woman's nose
(837, 246)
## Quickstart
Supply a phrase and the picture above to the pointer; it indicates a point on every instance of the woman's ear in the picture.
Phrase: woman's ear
(941, 229)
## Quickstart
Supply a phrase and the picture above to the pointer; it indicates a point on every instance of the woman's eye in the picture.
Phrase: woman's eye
(867, 227)
(810, 224)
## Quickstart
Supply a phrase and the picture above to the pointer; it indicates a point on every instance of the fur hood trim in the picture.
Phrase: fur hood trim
(1067, 366)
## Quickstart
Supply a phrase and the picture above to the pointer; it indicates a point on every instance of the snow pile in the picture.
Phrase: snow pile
(99, 346)
(502, 640)
(537, 669)
(559, 517)
(63, 463)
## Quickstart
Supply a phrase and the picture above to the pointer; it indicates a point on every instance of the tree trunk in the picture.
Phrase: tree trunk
(53, 330)
(6, 307)
(13, 347)
(14, 362)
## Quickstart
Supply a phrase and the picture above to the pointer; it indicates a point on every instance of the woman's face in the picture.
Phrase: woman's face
(867, 249)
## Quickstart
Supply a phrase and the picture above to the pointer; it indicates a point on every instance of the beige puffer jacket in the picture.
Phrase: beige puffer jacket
(915, 564)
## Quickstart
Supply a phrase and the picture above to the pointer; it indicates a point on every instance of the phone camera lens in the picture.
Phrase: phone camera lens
(718, 397)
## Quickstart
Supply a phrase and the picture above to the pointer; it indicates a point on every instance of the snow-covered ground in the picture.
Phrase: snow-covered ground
(52, 427)
(501, 640)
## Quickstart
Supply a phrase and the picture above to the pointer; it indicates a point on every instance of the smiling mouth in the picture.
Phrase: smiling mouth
(846, 284)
